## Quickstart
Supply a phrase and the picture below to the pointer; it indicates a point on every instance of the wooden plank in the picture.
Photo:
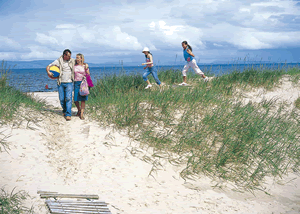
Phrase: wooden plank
(77, 207)
(73, 206)
(59, 211)
(77, 202)
(54, 195)
(78, 210)
(80, 207)
(62, 212)
(46, 192)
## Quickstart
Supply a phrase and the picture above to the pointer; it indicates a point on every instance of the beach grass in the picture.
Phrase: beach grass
(12, 99)
(206, 125)
(12, 203)
(11, 102)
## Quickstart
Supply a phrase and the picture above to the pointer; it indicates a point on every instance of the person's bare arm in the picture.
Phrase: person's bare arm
(48, 71)
(148, 63)
(190, 53)
(87, 70)
(56, 63)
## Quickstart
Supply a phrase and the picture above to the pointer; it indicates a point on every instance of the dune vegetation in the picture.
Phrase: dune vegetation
(207, 126)
(12, 99)
(12, 203)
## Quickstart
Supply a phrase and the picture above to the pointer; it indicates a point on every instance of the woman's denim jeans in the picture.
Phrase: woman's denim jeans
(153, 71)
(65, 97)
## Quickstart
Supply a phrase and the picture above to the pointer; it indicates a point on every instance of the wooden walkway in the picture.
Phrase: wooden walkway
(75, 204)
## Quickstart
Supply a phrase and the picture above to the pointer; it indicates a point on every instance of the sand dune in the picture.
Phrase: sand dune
(80, 156)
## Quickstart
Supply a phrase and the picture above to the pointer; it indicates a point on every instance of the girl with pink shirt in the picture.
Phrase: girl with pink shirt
(80, 70)
(151, 69)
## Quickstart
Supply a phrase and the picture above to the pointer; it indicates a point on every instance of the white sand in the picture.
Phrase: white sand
(81, 157)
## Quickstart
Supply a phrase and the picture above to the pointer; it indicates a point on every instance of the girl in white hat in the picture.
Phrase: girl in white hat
(191, 62)
(151, 68)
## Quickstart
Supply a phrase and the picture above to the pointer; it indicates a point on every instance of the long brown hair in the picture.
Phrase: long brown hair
(186, 43)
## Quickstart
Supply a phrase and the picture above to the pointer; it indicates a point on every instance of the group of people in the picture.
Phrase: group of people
(188, 56)
(72, 72)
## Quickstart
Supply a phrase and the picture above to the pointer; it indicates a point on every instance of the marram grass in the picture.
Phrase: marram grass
(206, 124)
(12, 203)
(11, 99)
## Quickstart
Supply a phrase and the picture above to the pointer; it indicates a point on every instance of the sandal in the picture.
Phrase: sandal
(78, 114)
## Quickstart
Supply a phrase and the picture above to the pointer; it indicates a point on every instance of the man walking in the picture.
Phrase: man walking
(64, 81)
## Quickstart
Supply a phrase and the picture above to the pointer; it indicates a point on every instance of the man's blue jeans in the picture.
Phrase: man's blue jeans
(65, 97)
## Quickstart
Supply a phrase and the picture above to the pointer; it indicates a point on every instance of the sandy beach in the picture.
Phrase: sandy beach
(80, 156)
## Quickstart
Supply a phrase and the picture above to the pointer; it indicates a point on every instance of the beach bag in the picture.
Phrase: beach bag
(84, 88)
(89, 80)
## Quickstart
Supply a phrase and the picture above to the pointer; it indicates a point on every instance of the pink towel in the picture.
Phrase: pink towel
(89, 80)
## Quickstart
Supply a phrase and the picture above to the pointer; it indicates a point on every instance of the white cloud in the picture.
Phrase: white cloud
(124, 28)
(39, 52)
(111, 37)
(250, 38)
(66, 26)
(169, 30)
(8, 56)
(152, 25)
(44, 39)
(8, 44)
(171, 36)
(217, 45)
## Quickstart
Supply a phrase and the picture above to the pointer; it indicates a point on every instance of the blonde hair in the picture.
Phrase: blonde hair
(81, 56)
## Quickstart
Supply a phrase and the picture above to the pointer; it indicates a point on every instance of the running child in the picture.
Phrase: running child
(191, 62)
(151, 69)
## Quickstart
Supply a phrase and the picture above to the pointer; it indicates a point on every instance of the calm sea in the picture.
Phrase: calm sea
(35, 80)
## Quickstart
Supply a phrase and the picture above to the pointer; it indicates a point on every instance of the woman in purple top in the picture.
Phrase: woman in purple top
(191, 62)
(80, 70)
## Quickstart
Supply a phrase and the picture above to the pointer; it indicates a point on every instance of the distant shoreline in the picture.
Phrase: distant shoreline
(40, 65)
(23, 79)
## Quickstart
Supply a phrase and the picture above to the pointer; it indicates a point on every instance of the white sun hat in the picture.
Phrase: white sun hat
(145, 49)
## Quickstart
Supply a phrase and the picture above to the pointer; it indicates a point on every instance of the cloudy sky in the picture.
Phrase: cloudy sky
(110, 31)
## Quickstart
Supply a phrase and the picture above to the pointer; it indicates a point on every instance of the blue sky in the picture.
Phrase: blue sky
(110, 31)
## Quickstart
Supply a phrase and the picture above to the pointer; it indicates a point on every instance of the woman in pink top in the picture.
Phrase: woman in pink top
(80, 70)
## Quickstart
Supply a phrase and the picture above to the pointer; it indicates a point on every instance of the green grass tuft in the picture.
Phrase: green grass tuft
(12, 203)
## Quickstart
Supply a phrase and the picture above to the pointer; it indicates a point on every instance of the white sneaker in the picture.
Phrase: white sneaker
(148, 86)
(205, 79)
(183, 84)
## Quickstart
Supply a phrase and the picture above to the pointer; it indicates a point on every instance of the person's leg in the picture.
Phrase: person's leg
(61, 95)
(78, 108)
(146, 73)
(196, 68)
(82, 110)
(68, 98)
(155, 76)
(76, 96)
(184, 71)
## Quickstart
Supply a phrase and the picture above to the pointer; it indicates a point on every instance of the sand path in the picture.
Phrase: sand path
(81, 157)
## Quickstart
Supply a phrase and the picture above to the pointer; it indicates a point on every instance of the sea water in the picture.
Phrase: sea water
(35, 79)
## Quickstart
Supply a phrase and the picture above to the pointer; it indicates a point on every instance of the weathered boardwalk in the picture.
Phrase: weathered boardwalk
(75, 204)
